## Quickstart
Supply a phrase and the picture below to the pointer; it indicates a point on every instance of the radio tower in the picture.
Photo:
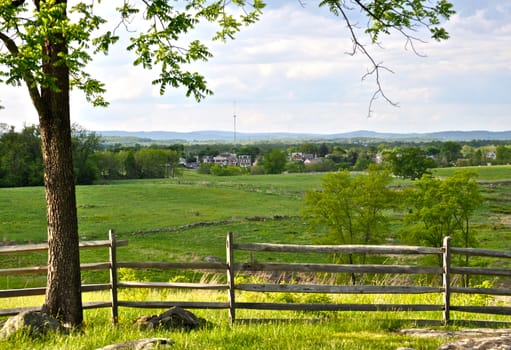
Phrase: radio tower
(234, 117)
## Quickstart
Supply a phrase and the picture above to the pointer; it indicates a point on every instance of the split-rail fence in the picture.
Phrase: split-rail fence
(444, 272)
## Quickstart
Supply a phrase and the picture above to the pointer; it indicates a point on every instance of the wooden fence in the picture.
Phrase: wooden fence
(446, 273)
(32, 270)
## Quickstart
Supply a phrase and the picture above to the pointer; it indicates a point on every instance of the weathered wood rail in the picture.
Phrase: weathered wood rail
(111, 244)
(234, 290)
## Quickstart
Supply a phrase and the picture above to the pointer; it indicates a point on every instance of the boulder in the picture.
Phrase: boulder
(141, 344)
(174, 318)
(34, 323)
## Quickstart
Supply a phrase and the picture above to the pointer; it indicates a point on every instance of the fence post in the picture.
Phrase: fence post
(446, 278)
(113, 276)
(230, 276)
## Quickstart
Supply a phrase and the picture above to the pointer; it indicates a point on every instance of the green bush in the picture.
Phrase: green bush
(228, 170)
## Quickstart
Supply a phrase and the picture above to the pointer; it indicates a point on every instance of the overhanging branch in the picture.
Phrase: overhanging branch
(376, 67)
(16, 3)
(35, 95)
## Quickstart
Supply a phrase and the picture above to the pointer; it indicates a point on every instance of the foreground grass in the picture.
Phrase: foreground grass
(290, 335)
(280, 330)
(300, 331)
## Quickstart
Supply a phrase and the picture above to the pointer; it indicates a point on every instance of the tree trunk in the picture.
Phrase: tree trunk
(63, 291)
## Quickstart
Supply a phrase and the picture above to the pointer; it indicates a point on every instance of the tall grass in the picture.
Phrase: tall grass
(280, 330)
(289, 330)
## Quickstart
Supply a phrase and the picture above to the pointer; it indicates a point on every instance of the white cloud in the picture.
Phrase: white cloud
(290, 72)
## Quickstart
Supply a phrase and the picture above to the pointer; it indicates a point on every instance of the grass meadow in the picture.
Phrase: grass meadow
(186, 219)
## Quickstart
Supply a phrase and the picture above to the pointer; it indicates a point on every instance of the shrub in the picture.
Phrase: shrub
(228, 170)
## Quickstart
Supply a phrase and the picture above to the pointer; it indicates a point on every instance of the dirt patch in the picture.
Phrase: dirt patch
(462, 333)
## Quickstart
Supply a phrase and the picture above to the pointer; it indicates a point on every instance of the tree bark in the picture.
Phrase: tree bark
(63, 290)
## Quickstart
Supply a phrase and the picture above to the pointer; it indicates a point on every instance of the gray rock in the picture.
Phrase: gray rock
(34, 323)
(141, 344)
(174, 318)
(212, 259)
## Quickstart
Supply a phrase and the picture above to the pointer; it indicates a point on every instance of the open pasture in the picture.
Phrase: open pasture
(148, 205)
(187, 218)
(485, 173)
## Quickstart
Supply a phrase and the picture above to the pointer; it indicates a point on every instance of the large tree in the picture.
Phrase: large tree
(47, 45)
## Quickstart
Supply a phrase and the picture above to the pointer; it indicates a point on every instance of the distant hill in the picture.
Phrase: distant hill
(228, 136)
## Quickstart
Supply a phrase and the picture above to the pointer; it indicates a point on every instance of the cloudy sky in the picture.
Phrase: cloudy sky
(290, 72)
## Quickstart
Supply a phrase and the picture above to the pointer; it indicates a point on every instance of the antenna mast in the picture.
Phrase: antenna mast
(234, 117)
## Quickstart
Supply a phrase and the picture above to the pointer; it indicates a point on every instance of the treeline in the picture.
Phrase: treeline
(21, 161)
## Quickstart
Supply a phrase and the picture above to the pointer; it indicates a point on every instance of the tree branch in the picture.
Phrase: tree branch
(402, 16)
(35, 95)
(376, 67)
(16, 3)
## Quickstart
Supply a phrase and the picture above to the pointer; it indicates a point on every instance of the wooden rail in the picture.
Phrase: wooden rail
(43, 247)
(444, 272)
(232, 268)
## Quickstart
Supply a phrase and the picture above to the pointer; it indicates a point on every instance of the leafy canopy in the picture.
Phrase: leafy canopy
(351, 208)
(157, 31)
(400, 15)
(440, 208)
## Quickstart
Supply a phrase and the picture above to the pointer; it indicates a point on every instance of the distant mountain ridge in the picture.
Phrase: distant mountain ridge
(228, 136)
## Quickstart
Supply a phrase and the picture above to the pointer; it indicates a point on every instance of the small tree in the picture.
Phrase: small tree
(173, 166)
(450, 151)
(410, 162)
(351, 209)
(503, 154)
(465, 198)
(132, 169)
(85, 143)
(440, 208)
(152, 162)
(275, 162)
(108, 164)
(430, 215)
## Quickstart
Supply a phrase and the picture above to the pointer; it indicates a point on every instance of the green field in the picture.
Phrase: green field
(485, 173)
(134, 206)
(186, 219)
